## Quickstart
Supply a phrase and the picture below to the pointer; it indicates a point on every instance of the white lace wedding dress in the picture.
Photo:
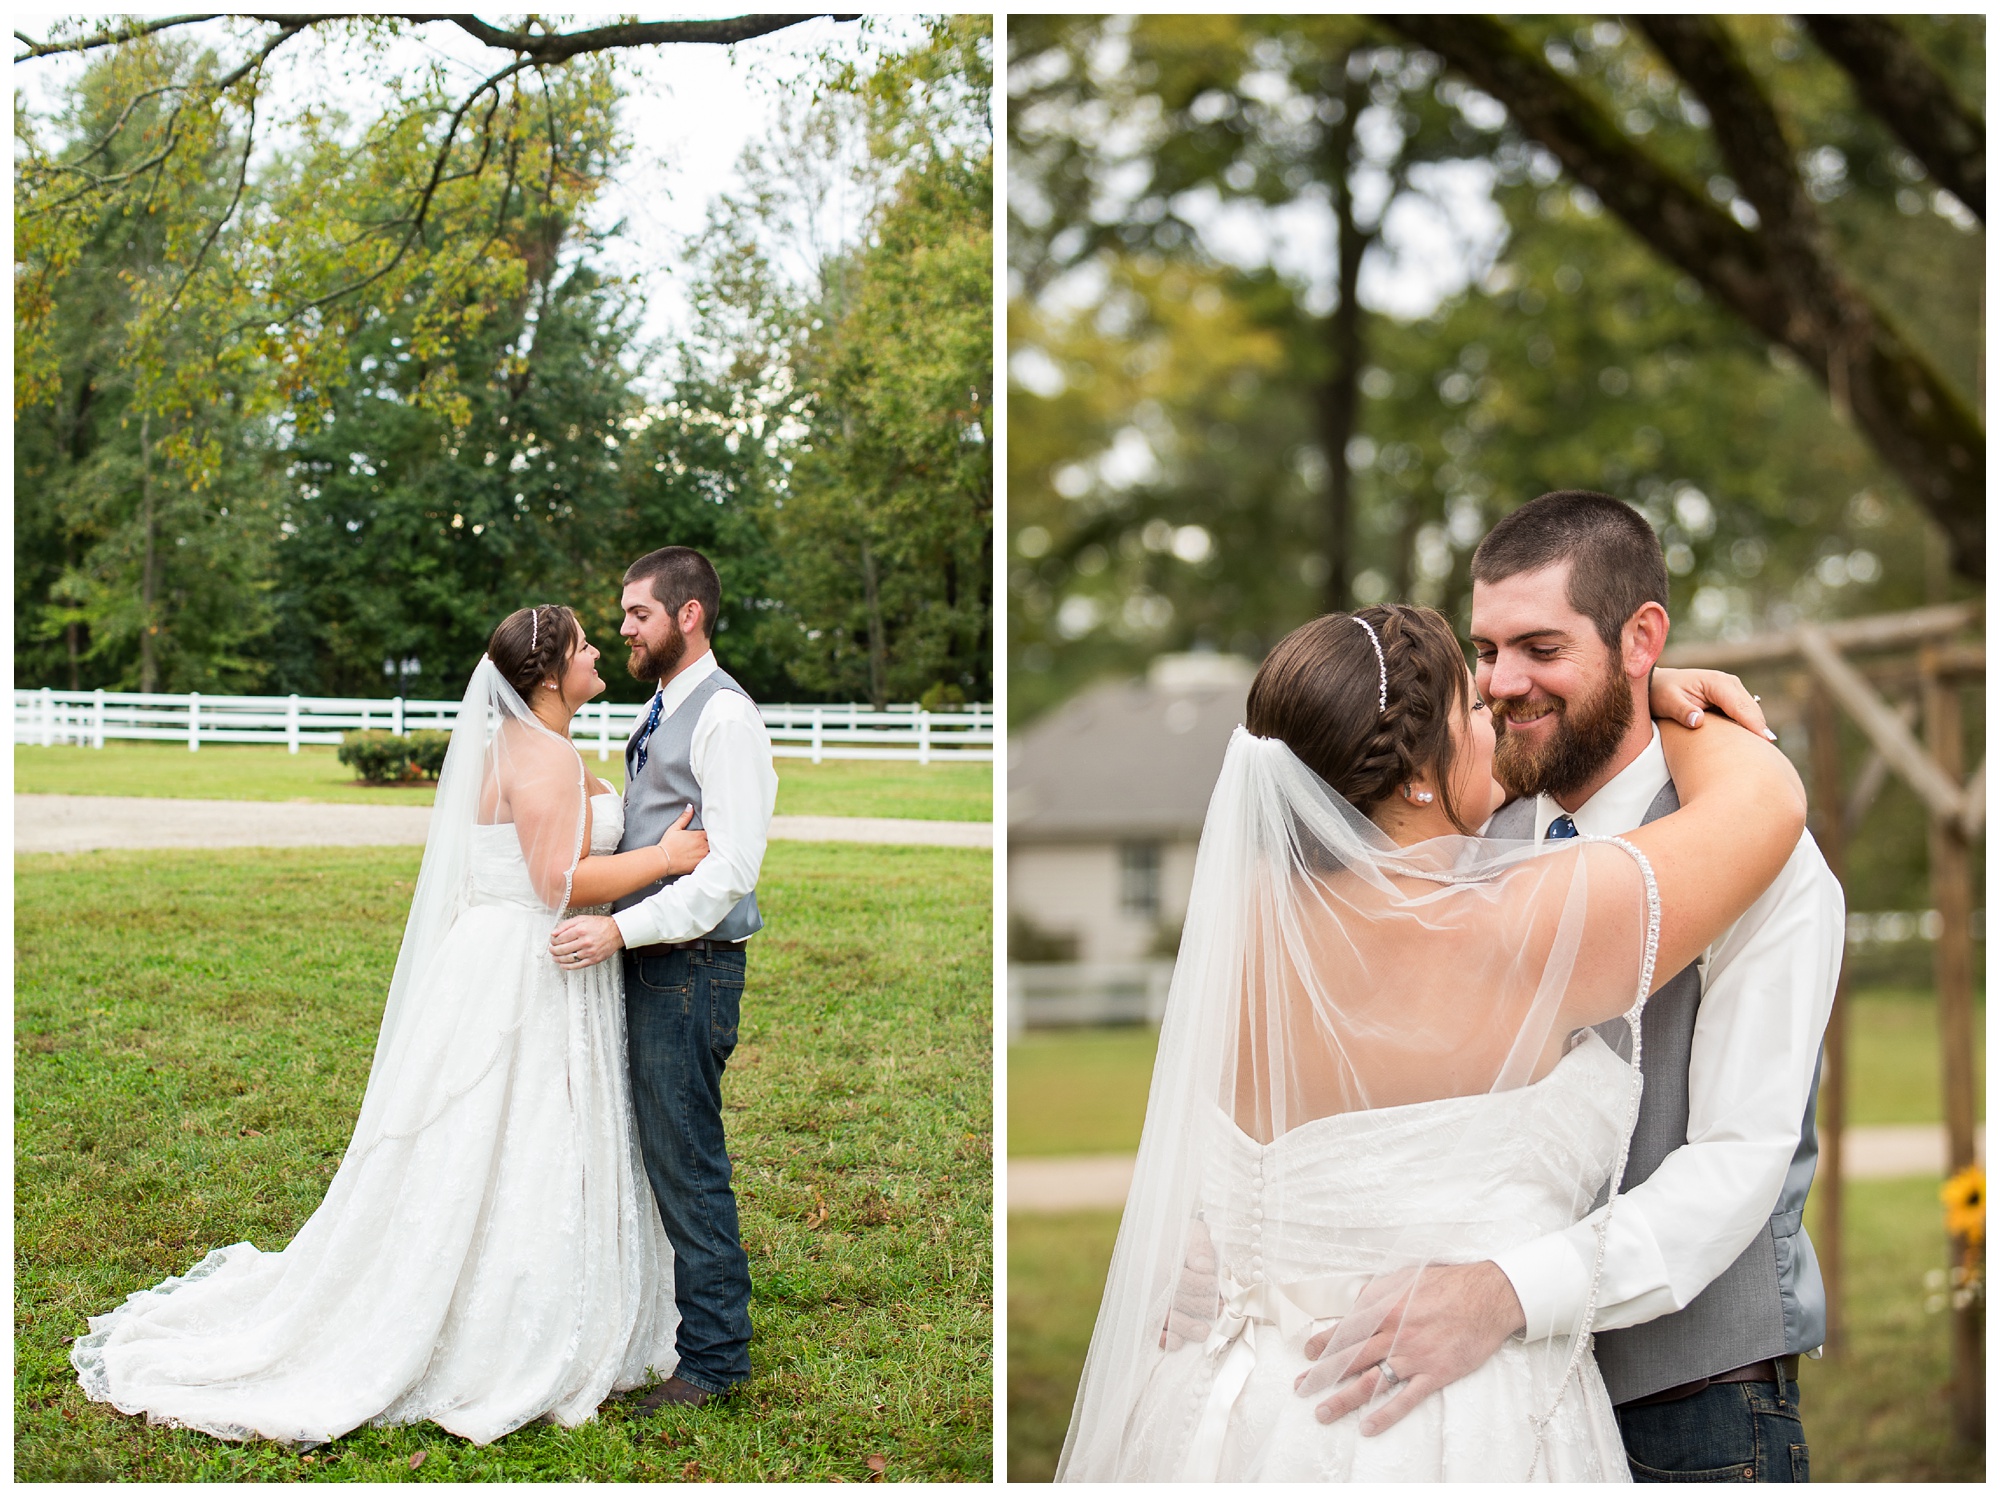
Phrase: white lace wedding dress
(490, 1254)
(1295, 1225)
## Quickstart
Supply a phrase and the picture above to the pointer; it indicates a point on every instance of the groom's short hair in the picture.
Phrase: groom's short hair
(1616, 561)
(676, 574)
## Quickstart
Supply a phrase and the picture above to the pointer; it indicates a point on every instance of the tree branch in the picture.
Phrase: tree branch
(117, 125)
(288, 30)
(558, 46)
(235, 200)
(423, 206)
(1680, 221)
(103, 38)
(1823, 309)
(1897, 82)
(1921, 426)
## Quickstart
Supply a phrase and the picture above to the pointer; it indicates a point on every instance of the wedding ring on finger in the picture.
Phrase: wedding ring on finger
(1388, 1373)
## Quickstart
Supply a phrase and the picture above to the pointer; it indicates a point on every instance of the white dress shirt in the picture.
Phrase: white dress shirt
(1767, 988)
(731, 759)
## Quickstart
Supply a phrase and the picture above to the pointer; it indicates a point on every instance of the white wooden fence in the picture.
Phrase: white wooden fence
(807, 731)
(1061, 995)
(1054, 995)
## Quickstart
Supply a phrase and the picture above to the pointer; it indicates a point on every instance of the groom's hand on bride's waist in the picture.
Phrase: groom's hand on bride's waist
(585, 941)
(1431, 1326)
(1197, 1294)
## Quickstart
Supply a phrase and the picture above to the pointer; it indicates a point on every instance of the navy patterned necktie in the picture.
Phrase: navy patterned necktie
(1560, 828)
(645, 734)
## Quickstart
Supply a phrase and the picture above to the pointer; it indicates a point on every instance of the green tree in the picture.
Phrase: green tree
(409, 533)
(863, 364)
(1258, 110)
(313, 408)
(128, 574)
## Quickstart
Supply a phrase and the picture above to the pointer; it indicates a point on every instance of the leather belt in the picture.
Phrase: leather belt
(1767, 1371)
(705, 945)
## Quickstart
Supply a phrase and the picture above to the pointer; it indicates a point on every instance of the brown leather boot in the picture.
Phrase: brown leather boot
(677, 1391)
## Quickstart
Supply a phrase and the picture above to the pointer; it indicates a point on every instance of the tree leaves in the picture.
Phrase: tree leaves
(387, 399)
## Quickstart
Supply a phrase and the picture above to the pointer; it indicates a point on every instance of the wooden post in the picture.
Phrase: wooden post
(1951, 893)
(1829, 829)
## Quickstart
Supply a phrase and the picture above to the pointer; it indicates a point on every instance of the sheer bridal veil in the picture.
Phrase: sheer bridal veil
(1327, 974)
(506, 779)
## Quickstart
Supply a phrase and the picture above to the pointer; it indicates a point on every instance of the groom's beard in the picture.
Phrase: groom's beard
(646, 665)
(1588, 731)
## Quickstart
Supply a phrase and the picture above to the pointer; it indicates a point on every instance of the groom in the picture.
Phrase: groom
(1710, 1290)
(701, 743)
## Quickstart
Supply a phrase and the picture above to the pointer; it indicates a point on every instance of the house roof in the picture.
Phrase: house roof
(1128, 759)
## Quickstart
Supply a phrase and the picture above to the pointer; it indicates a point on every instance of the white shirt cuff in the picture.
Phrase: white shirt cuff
(1551, 1281)
(637, 926)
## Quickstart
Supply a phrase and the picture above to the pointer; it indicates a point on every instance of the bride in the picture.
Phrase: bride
(1391, 1044)
(489, 1252)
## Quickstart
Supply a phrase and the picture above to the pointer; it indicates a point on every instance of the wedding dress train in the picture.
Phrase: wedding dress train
(489, 1252)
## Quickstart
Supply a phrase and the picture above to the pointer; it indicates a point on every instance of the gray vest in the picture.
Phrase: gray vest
(1770, 1301)
(657, 794)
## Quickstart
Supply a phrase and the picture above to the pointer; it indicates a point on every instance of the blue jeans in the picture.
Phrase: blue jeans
(680, 1023)
(1726, 1432)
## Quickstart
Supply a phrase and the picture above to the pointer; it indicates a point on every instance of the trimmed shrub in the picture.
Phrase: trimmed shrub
(380, 755)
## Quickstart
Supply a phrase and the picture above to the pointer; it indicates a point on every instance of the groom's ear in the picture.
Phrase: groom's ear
(1643, 639)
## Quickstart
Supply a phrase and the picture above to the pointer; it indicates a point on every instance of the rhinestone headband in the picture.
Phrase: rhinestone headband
(535, 624)
(1381, 662)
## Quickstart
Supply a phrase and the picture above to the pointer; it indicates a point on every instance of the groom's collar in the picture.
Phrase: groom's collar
(1621, 804)
(676, 691)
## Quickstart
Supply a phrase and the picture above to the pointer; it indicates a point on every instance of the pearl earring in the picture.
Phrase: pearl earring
(1421, 797)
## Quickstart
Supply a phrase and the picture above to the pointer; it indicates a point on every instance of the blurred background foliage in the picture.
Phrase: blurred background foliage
(308, 402)
(1228, 415)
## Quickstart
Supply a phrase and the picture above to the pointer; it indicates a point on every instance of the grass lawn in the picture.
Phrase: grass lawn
(192, 1038)
(255, 771)
(1055, 1276)
(1078, 1091)
(1893, 1063)
(1880, 1410)
(1876, 1413)
(1083, 1091)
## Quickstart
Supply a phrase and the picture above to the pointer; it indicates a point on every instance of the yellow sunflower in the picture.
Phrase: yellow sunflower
(1964, 1197)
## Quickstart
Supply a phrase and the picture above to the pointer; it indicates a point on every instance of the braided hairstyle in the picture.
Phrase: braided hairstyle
(533, 644)
(1320, 691)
